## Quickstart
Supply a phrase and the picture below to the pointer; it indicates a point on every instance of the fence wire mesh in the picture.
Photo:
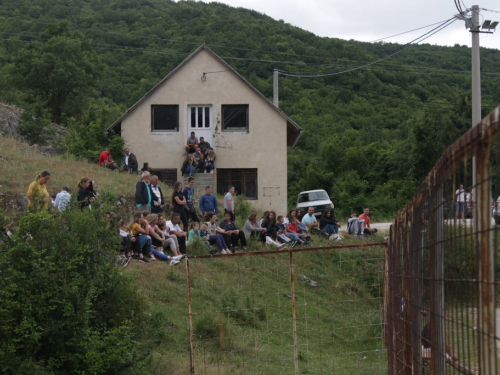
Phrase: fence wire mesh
(315, 311)
(442, 265)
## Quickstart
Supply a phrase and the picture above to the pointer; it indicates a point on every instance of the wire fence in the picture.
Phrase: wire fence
(315, 311)
(441, 295)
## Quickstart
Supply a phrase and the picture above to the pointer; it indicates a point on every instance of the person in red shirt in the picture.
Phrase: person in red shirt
(105, 159)
(367, 228)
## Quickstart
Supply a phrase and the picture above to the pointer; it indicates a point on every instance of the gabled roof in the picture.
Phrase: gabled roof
(293, 130)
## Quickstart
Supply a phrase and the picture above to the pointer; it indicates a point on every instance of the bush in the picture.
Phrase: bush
(34, 126)
(63, 307)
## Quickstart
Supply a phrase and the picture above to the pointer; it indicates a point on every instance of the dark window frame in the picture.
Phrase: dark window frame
(153, 130)
(239, 130)
(159, 172)
(221, 173)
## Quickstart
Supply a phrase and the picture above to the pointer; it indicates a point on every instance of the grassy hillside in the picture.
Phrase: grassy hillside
(21, 164)
(242, 315)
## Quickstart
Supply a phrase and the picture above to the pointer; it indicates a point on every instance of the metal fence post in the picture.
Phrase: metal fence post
(294, 321)
(190, 318)
(436, 268)
(485, 249)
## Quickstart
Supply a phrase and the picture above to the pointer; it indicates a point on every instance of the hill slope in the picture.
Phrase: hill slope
(370, 136)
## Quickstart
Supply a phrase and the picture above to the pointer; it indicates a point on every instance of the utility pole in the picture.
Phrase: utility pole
(275, 88)
(476, 86)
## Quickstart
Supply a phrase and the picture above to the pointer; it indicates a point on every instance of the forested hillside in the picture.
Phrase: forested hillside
(370, 136)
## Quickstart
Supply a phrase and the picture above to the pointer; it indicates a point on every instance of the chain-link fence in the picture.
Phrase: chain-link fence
(315, 311)
(441, 293)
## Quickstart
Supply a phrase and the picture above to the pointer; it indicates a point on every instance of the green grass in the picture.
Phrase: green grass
(242, 312)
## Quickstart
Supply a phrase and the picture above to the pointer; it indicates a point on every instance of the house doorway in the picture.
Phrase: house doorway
(200, 121)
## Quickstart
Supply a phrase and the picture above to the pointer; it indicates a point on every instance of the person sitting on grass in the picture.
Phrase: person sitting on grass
(283, 231)
(157, 251)
(175, 229)
(139, 229)
(293, 230)
(62, 199)
(328, 224)
(252, 227)
(269, 222)
(368, 230)
(82, 196)
(37, 195)
(170, 239)
(310, 220)
(216, 234)
(234, 233)
(127, 242)
(194, 231)
(106, 159)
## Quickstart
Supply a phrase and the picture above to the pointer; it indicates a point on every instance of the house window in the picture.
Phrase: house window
(235, 117)
(199, 117)
(165, 118)
(243, 180)
(167, 176)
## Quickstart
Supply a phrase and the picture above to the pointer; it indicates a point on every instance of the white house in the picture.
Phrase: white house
(250, 136)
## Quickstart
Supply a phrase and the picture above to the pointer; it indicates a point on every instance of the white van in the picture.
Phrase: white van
(318, 199)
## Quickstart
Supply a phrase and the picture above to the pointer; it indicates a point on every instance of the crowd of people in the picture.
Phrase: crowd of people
(149, 236)
(200, 158)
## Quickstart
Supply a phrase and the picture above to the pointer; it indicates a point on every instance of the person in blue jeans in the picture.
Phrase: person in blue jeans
(327, 223)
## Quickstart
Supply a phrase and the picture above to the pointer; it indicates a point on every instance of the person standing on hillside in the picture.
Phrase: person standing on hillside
(156, 207)
(131, 164)
(229, 202)
(37, 195)
(189, 196)
(179, 204)
(367, 228)
(460, 199)
(208, 202)
(62, 199)
(143, 195)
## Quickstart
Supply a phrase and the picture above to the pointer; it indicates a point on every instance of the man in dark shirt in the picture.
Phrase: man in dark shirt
(204, 146)
(233, 232)
(189, 195)
(131, 164)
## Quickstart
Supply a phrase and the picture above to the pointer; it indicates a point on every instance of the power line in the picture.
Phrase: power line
(198, 43)
(489, 10)
(406, 32)
(399, 68)
(408, 45)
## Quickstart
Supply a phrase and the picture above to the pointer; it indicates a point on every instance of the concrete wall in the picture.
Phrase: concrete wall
(263, 147)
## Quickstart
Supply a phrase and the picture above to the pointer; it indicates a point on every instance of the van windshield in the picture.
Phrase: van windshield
(313, 196)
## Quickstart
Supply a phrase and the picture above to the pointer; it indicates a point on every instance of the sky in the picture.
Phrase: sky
(368, 20)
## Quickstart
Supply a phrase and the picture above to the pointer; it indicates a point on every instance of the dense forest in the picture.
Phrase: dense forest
(370, 136)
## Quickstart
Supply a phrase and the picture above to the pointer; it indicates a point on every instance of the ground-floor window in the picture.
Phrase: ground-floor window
(167, 176)
(243, 180)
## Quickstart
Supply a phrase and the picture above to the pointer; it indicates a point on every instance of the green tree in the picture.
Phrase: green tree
(59, 70)
(64, 309)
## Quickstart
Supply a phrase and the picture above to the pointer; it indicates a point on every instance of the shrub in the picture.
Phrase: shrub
(63, 307)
